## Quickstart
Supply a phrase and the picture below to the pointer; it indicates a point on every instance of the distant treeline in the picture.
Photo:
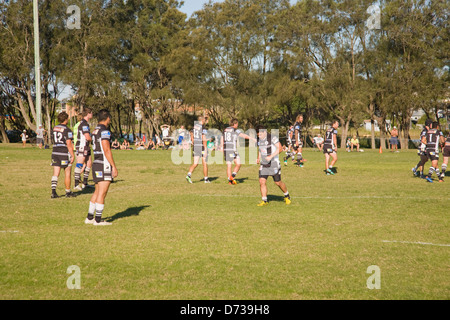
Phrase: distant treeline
(261, 61)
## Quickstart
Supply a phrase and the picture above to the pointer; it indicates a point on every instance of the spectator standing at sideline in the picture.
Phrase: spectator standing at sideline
(40, 132)
(394, 139)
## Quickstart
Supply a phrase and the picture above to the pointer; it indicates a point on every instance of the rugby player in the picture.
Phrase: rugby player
(228, 143)
(62, 154)
(446, 154)
(432, 139)
(200, 151)
(269, 149)
(418, 169)
(83, 150)
(297, 140)
(330, 147)
(103, 169)
(289, 152)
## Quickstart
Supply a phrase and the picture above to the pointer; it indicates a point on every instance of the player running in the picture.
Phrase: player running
(432, 139)
(62, 154)
(418, 169)
(200, 150)
(269, 149)
(446, 153)
(330, 147)
(104, 169)
(83, 150)
(229, 142)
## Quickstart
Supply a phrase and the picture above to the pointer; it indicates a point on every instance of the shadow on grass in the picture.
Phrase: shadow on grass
(275, 198)
(211, 179)
(241, 180)
(133, 211)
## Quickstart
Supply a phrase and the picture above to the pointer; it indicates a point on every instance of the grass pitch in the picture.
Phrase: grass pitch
(174, 240)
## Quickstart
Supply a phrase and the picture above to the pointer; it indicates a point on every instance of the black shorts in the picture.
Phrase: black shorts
(101, 172)
(86, 152)
(60, 160)
(446, 151)
(270, 171)
(328, 149)
(432, 155)
(230, 156)
(39, 141)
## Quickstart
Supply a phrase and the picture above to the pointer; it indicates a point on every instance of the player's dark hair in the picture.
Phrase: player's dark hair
(63, 116)
(260, 128)
(428, 122)
(435, 124)
(233, 121)
(103, 114)
(86, 111)
(335, 121)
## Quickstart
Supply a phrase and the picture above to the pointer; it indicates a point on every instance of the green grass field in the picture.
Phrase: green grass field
(172, 240)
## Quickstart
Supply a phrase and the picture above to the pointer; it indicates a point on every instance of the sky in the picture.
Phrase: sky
(190, 6)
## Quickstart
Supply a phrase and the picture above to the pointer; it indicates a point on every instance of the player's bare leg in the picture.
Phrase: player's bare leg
(283, 188)
(205, 170)
(192, 168)
(232, 174)
(97, 203)
(263, 188)
(56, 171)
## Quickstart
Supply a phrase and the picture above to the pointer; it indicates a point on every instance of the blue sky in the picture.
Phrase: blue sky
(190, 6)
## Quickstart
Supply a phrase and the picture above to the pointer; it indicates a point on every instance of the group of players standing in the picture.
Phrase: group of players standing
(269, 148)
(64, 153)
(431, 138)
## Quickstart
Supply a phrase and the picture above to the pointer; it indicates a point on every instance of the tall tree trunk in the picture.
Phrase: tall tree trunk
(5, 138)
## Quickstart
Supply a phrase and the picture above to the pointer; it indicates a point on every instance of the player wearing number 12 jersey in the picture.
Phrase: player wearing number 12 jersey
(62, 154)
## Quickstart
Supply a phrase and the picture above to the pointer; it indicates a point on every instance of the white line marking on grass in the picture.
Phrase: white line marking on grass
(422, 243)
(315, 197)
(9, 231)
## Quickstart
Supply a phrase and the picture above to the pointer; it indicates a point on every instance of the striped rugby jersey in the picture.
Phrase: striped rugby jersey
(100, 133)
(83, 128)
(230, 138)
(61, 133)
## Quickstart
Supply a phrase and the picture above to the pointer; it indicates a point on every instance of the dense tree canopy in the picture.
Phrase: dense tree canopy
(257, 60)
